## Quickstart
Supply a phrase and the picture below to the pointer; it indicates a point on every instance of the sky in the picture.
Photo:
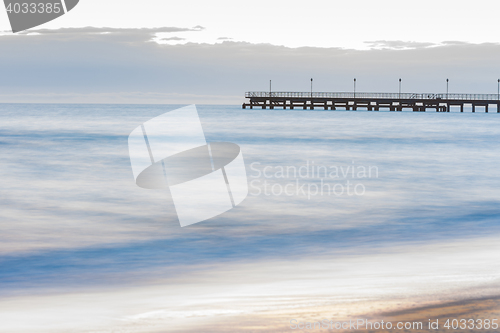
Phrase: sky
(200, 52)
(318, 23)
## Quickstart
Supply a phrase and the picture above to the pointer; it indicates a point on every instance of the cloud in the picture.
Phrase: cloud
(95, 30)
(454, 42)
(125, 62)
(86, 33)
(174, 38)
(397, 44)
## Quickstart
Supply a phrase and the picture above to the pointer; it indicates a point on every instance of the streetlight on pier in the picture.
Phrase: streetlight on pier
(354, 87)
(447, 88)
(270, 88)
(311, 87)
(399, 88)
(498, 89)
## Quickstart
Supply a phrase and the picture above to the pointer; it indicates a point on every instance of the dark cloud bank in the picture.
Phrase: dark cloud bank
(124, 65)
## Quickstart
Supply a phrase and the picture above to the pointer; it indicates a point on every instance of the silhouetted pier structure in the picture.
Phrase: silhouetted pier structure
(369, 101)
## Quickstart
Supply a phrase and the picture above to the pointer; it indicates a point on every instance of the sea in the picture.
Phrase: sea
(350, 214)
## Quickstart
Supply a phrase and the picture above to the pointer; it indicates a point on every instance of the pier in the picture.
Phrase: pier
(370, 101)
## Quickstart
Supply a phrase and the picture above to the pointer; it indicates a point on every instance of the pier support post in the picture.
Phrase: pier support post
(473, 107)
(486, 108)
(447, 107)
(498, 108)
(461, 107)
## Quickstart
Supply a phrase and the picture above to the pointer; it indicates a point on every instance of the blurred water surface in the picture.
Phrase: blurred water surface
(72, 218)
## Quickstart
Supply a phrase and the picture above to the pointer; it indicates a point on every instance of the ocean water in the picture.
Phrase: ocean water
(83, 249)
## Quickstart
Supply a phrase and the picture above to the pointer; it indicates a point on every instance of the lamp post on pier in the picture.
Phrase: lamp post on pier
(311, 88)
(399, 88)
(447, 88)
(354, 87)
(498, 89)
(270, 88)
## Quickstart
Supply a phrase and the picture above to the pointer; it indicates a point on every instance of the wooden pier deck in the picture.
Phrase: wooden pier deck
(370, 101)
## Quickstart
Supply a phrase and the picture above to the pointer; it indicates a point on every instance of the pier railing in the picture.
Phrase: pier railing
(292, 94)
